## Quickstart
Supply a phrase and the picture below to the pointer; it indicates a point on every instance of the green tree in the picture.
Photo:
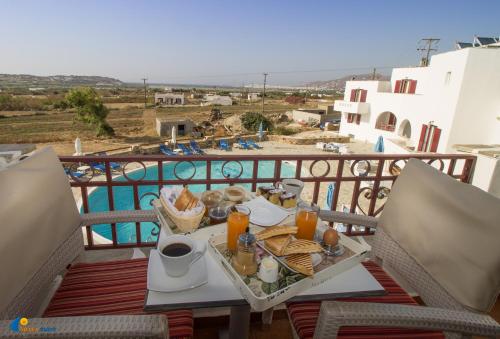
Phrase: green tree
(252, 120)
(90, 109)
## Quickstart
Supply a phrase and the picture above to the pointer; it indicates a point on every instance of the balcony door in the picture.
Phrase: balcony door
(429, 138)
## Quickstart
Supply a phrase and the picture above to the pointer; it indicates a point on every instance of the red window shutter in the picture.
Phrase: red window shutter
(435, 139)
(392, 120)
(358, 119)
(397, 87)
(413, 87)
(363, 95)
(422, 138)
(353, 95)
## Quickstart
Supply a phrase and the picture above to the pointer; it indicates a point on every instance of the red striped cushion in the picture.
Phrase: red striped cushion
(111, 288)
(305, 314)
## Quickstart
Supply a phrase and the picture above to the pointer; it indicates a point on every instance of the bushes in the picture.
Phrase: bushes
(251, 121)
(283, 130)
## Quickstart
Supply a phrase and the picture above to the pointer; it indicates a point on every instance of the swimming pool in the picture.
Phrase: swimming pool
(123, 197)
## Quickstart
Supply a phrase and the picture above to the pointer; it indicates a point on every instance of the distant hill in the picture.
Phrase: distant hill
(26, 80)
(339, 84)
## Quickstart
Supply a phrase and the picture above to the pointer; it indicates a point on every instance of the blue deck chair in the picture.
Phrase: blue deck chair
(76, 174)
(243, 144)
(253, 144)
(195, 147)
(223, 145)
(114, 165)
(185, 150)
(167, 151)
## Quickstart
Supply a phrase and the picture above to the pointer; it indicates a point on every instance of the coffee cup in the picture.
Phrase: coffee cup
(291, 185)
(178, 253)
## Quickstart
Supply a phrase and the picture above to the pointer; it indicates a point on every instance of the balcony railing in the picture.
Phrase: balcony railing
(361, 182)
(386, 127)
(352, 107)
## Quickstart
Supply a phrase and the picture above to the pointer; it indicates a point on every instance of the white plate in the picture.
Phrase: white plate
(160, 281)
(265, 213)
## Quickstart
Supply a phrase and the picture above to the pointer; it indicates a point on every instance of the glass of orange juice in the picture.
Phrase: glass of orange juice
(306, 219)
(237, 222)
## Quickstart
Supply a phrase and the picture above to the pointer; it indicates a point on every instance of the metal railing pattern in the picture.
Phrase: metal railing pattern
(368, 176)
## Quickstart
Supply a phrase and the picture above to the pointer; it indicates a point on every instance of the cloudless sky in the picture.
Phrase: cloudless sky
(230, 42)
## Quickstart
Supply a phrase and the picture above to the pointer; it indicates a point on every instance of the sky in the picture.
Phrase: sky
(230, 42)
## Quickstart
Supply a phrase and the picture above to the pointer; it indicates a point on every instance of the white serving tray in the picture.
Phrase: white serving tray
(261, 303)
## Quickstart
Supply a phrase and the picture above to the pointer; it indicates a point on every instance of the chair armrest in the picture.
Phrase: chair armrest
(117, 216)
(348, 218)
(122, 326)
(334, 315)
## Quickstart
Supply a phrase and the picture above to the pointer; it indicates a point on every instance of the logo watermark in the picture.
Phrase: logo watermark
(21, 325)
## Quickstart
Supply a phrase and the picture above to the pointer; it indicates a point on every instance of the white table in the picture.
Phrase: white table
(220, 291)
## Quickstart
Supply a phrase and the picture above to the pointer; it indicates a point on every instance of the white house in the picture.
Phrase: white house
(454, 100)
(169, 99)
(253, 96)
(213, 99)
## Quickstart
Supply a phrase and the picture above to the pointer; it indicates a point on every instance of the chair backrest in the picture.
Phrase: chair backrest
(39, 221)
(441, 236)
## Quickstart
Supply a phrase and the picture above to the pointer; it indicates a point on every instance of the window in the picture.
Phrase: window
(358, 95)
(429, 138)
(407, 86)
(447, 78)
(353, 118)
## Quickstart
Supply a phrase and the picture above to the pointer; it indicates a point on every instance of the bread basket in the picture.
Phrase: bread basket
(184, 223)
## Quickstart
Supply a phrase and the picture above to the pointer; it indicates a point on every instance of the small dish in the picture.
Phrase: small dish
(158, 280)
(265, 213)
(235, 193)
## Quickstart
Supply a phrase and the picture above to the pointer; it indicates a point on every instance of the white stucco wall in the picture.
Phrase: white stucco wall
(465, 108)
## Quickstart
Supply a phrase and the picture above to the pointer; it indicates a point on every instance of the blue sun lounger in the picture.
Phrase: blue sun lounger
(253, 144)
(243, 144)
(167, 151)
(76, 174)
(223, 145)
(195, 147)
(185, 150)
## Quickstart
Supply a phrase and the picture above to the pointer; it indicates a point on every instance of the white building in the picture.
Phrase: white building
(454, 100)
(213, 99)
(169, 99)
(253, 96)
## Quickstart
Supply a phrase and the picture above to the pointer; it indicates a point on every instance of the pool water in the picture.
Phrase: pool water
(123, 197)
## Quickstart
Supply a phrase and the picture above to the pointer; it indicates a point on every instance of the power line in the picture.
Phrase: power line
(264, 92)
(145, 93)
(427, 48)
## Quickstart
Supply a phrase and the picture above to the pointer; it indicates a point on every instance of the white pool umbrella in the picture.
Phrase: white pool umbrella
(174, 135)
(78, 146)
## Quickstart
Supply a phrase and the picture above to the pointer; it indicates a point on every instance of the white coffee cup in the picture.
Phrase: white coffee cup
(178, 265)
(291, 185)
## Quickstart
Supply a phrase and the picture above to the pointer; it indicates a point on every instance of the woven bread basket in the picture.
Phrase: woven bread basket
(184, 223)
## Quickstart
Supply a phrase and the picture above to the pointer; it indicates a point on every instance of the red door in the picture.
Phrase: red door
(435, 139)
(421, 141)
(397, 88)
(413, 87)
(363, 95)
(358, 119)
(353, 95)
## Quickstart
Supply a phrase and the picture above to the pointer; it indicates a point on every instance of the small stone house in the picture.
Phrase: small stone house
(183, 126)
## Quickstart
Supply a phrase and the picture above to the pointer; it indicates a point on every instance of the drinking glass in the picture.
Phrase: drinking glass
(306, 219)
(237, 222)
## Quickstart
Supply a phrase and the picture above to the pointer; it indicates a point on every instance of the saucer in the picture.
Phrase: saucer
(160, 281)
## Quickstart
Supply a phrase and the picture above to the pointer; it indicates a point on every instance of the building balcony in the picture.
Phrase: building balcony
(352, 107)
(104, 281)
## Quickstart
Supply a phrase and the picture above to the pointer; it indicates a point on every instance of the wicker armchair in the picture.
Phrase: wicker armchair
(35, 248)
(443, 311)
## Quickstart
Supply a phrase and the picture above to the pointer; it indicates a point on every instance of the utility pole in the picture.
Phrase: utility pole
(426, 45)
(264, 92)
(374, 73)
(145, 93)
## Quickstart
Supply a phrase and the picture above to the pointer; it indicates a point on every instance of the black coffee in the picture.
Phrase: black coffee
(176, 250)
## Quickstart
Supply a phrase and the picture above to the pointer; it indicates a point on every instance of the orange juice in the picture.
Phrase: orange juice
(237, 222)
(306, 223)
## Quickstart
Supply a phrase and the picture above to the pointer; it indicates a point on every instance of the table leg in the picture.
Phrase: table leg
(267, 316)
(239, 322)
